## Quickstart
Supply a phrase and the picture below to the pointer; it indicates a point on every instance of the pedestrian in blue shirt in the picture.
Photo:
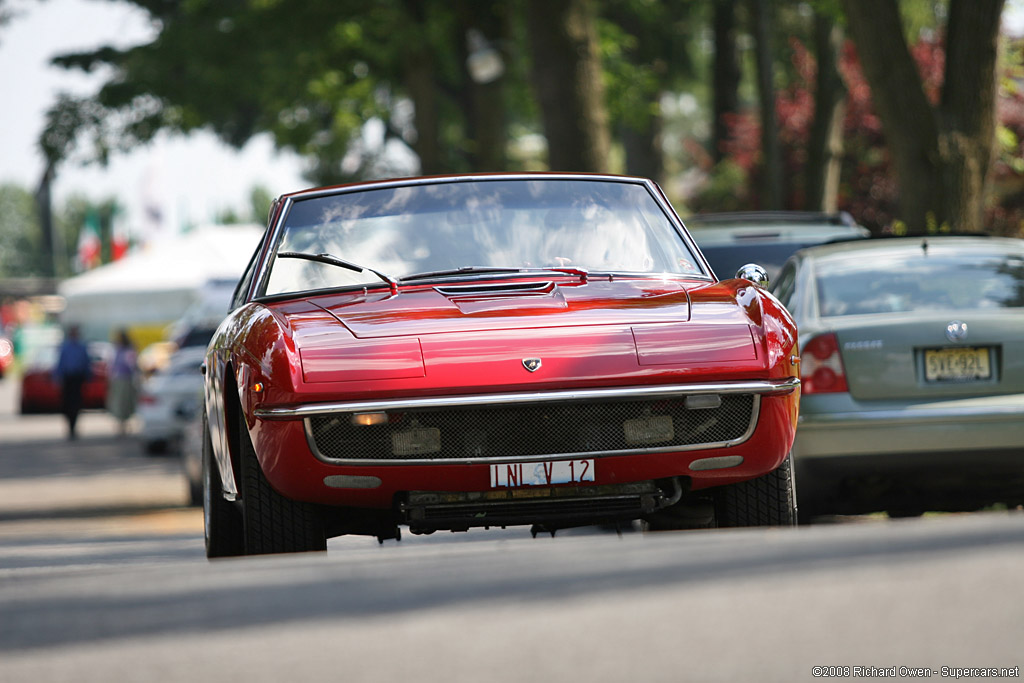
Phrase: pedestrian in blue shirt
(72, 371)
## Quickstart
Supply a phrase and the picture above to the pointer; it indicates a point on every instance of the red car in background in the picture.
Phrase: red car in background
(41, 394)
(474, 351)
(6, 354)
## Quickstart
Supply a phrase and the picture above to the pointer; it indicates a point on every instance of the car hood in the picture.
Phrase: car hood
(599, 329)
(471, 308)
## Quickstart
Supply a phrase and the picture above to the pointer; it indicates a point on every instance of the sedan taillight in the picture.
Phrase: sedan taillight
(821, 369)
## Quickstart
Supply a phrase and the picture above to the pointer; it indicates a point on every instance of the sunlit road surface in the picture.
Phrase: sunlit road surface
(119, 590)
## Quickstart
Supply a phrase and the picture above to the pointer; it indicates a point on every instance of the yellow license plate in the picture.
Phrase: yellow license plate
(956, 365)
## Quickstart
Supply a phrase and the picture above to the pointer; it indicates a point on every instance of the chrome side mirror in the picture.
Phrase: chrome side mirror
(754, 273)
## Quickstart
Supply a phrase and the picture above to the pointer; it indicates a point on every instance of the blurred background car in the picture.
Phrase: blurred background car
(163, 400)
(6, 354)
(192, 433)
(200, 321)
(767, 238)
(41, 394)
(912, 353)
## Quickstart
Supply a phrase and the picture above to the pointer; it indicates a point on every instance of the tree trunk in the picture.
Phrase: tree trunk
(967, 112)
(484, 26)
(643, 149)
(941, 153)
(566, 74)
(825, 147)
(44, 205)
(771, 153)
(725, 75)
(420, 82)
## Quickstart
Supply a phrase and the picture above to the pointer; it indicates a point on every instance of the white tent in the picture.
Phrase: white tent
(156, 285)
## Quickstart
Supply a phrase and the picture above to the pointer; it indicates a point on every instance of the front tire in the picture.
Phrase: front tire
(222, 519)
(273, 523)
(769, 500)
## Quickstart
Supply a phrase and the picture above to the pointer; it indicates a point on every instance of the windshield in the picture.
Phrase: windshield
(903, 282)
(599, 225)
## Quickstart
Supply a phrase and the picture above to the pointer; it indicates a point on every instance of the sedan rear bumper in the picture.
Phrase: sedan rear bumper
(834, 425)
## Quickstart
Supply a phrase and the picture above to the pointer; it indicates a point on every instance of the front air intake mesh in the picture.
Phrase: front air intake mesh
(532, 431)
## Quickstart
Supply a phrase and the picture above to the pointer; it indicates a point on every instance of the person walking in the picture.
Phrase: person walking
(121, 381)
(72, 371)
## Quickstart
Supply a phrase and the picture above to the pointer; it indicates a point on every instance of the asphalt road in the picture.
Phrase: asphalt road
(103, 577)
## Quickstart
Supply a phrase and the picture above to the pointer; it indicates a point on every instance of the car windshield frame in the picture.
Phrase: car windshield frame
(651, 206)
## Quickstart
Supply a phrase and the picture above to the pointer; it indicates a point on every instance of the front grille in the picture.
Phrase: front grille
(533, 431)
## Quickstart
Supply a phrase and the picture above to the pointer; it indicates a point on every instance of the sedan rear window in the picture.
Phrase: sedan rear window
(905, 281)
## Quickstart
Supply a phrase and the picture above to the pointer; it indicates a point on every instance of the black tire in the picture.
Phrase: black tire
(766, 501)
(273, 523)
(222, 519)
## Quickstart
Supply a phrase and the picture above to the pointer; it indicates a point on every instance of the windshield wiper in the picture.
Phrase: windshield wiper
(581, 273)
(341, 263)
(464, 270)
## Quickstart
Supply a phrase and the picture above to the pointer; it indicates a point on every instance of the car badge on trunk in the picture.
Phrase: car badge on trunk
(956, 331)
(531, 364)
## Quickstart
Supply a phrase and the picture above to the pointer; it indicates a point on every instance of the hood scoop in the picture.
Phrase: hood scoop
(489, 298)
(462, 291)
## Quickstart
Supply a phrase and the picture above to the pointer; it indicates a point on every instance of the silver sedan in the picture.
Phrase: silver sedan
(912, 353)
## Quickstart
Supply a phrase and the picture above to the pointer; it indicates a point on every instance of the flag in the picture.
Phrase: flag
(89, 245)
(119, 239)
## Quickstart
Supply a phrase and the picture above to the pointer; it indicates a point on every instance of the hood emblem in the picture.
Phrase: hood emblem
(531, 364)
(956, 331)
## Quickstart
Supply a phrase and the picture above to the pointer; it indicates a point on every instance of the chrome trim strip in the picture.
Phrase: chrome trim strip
(914, 416)
(762, 387)
(754, 414)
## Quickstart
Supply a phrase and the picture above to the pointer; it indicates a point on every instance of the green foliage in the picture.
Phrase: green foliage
(923, 18)
(1009, 144)
(308, 72)
(260, 200)
(728, 189)
(312, 73)
(20, 239)
(646, 48)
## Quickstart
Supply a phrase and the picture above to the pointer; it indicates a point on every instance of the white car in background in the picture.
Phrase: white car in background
(166, 398)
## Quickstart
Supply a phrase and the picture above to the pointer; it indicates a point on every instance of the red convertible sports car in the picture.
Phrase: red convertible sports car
(491, 350)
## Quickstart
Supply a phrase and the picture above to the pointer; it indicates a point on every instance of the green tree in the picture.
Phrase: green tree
(567, 76)
(725, 75)
(309, 72)
(825, 144)
(763, 29)
(942, 147)
(645, 50)
(21, 249)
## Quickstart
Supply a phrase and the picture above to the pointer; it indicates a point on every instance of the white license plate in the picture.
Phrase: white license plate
(512, 475)
(961, 364)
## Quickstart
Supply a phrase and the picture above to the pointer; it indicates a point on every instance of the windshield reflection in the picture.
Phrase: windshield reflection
(599, 225)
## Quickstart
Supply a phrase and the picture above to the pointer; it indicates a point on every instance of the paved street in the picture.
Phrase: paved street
(103, 577)
(100, 484)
